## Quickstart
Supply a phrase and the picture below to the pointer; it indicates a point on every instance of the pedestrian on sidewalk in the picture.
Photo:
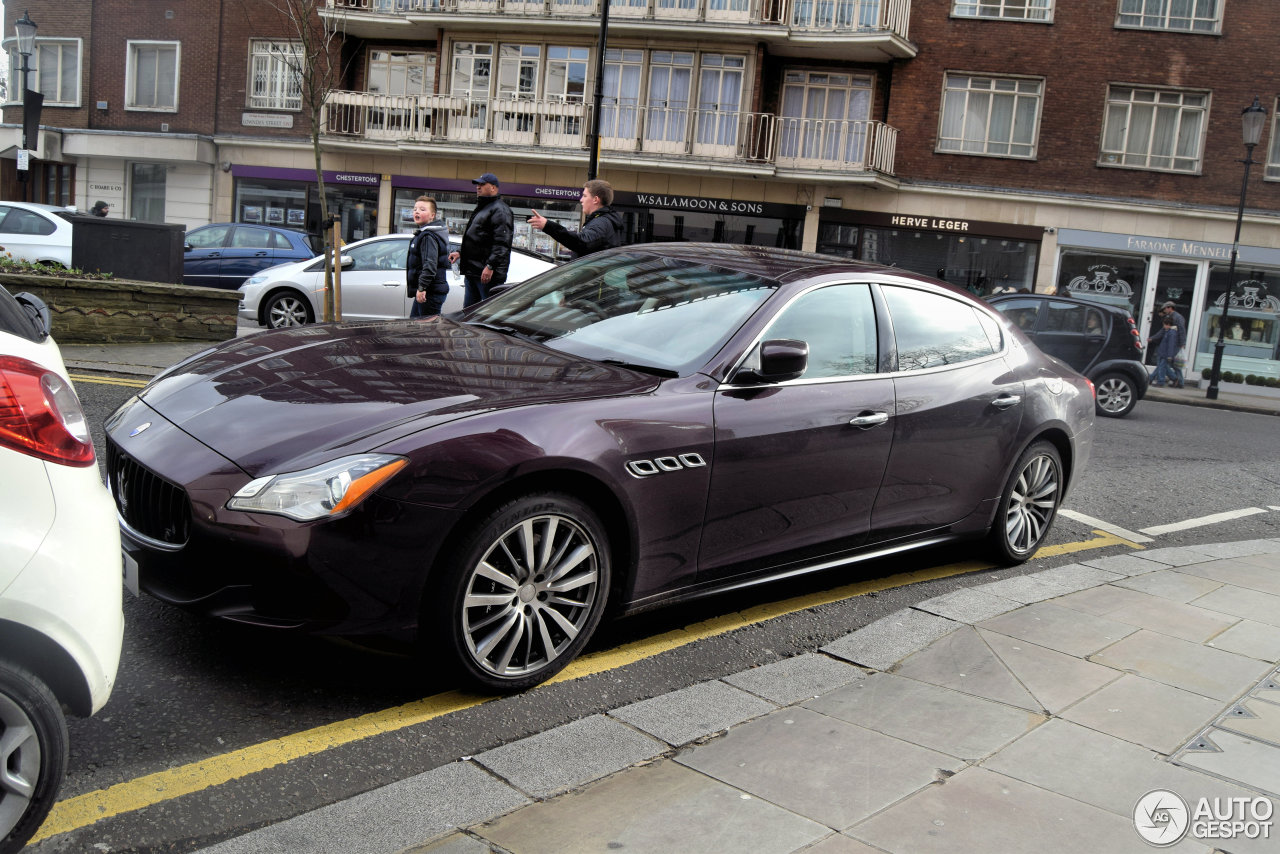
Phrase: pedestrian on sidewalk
(486, 241)
(602, 228)
(1169, 309)
(1166, 344)
(427, 261)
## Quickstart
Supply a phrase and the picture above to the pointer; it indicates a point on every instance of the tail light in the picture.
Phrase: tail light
(40, 415)
(1133, 331)
(1093, 389)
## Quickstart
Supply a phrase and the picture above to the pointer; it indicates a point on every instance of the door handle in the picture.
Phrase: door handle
(393, 284)
(260, 255)
(1006, 400)
(869, 419)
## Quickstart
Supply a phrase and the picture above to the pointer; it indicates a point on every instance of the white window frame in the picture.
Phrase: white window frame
(1272, 170)
(978, 112)
(72, 47)
(1129, 143)
(1030, 11)
(132, 48)
(396, 68)
(281, 59)
(1160, 15)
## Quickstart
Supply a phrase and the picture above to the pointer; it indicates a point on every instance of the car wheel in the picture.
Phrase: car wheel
(33, 755)
(524, 592)
(287, 308)
(1028, 504)
(1116, 395)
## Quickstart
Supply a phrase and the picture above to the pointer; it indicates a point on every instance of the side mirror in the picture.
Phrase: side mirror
(781, 359)
(186, 247)
(346, 261)
(37, 311)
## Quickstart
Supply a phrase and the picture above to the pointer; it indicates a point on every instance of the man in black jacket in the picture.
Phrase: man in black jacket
(602, 228)
(486, 243)
(427, 261)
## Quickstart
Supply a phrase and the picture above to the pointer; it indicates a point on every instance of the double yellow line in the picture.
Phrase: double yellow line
(139, 793)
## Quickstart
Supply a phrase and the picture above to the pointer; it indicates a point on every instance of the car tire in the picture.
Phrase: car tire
(1116, 395)
(1028, 504)
(522, 593)
(33, 755)
(287, 308)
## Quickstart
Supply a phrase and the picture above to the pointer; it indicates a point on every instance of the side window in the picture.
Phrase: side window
(1064, 317)
(1093, 324)
(838, 323)
(251, 238)
(933, 330)
(280, 242)
(25, 222)
(208, 238)
(379, 255)
(1021, 311)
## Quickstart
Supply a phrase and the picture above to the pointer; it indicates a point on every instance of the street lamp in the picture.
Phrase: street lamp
(26, 32)
(1252, 119)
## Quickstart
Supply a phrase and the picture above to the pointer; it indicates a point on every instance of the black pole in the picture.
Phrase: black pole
(26, 173)
(1212, 393)
(593, 164)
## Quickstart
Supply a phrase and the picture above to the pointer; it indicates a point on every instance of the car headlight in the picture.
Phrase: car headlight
(324, 491)
(254, 280)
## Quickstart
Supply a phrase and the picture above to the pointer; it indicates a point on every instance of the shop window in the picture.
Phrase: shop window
(147, 191)
(1158, 129)
(1009, 10)
(1111, 279)
(1200, 16)
(993, 116)
(981, 265)
(152, 76)
(1252, 333)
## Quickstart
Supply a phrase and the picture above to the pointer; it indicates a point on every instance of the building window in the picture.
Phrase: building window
(1154, 129)
(994, 116)
(394, 72)
(146, 192)
(1273, 154)
(824, 117)
(152, 76)
(275, 75)
(1014, 10)
(53, 71)
(1199, 16)
(567, 74)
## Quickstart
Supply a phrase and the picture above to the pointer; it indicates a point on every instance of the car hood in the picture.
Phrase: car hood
(294, 396)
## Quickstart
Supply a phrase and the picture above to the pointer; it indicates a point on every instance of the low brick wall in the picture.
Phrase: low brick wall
(125, 312)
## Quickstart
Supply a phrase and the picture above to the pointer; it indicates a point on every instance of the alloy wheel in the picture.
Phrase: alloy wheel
(19, 763)
(286, 311)
(533, 592)
(1033, 501)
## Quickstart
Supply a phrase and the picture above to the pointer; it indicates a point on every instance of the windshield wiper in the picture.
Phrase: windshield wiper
(645, 369)
(505, 330)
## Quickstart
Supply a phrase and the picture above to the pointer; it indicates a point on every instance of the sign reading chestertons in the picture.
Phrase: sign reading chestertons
(362, 179)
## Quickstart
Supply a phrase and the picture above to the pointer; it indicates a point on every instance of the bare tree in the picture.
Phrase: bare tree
(310, 53)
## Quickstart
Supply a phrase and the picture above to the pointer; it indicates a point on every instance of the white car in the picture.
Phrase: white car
(61, 621)
(372, 286)
(35, 233)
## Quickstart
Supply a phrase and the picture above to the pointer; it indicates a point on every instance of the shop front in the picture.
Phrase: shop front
(290, 198)
(1141, 273)
(982, 257)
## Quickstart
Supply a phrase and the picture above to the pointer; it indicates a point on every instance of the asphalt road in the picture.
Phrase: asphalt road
(192, 692)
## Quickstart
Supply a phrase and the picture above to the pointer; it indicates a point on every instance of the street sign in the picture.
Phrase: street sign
(24, 160)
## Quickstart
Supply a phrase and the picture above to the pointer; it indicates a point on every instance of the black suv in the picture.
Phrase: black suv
(1100, 341)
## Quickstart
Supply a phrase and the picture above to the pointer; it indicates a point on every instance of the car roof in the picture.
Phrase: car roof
(1101, 306)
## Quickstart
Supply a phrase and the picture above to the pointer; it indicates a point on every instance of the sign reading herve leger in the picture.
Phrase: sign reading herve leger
(927, 222)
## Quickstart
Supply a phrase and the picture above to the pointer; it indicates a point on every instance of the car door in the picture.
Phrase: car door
(373, 284)
(202, 255)
(957, 414)
(1065, 332)
(250, 249)
(797, 464)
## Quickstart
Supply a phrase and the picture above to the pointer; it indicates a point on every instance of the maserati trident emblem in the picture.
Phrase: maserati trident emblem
(136, 430)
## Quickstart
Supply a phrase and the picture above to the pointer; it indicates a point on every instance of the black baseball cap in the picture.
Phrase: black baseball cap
(487, 178)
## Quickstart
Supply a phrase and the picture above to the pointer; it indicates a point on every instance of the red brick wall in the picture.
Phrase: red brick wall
(1078, 55)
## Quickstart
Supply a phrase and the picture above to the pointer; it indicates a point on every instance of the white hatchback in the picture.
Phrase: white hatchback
(35, 233)
(61, 621)
(372, 284)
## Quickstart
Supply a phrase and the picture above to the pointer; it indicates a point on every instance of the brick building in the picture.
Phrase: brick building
(1091, 146)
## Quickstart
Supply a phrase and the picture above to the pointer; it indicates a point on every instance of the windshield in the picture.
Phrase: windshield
(640, 310)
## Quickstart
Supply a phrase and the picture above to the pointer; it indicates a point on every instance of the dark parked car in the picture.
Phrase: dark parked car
(1100, 341)
(224, 254)
(637, 427)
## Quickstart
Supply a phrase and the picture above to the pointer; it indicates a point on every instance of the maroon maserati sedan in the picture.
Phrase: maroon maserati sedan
(644, 425)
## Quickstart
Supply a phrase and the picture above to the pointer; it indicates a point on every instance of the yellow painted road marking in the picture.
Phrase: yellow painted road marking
(141, 792)
(101, 380)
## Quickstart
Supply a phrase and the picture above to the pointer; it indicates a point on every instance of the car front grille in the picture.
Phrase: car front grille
(148, 504)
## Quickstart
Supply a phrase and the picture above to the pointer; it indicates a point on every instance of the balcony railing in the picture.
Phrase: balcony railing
(714, 137)
(829, 16)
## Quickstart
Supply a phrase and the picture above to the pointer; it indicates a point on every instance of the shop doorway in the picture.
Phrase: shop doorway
(1169, 281)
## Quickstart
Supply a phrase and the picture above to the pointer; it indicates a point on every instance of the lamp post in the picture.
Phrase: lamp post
(1252, 120)
(25, 28)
